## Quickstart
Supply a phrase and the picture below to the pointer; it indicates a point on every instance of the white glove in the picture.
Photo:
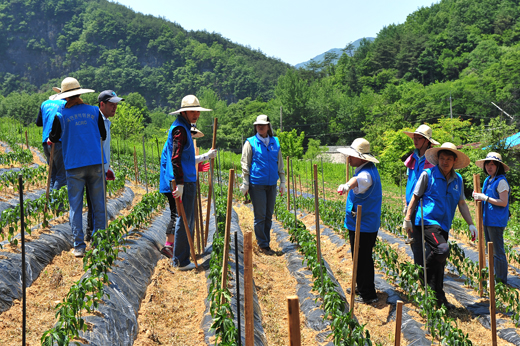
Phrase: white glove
(405, 209)
(211, 154)
(178, 192)
(407, 225)
(473, 231)
(343, 189)
(479, 196)
(282, 188)
(244, 188)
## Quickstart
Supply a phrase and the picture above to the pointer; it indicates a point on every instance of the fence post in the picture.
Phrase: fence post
(248, 288)
(293, 314)
(398, 321)
(355, 259)
(492, 302)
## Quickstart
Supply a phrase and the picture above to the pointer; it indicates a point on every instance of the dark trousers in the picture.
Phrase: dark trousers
(90, 214)
(437, 238)
(173, 213)
(365, 270)
(418, 246)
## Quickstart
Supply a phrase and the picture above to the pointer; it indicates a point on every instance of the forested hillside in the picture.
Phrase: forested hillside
(106, 45)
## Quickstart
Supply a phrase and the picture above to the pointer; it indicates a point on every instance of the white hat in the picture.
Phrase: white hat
(360, 148)
(492, 156)
(262, 120)
(462, 159)
(425, 131)
(190, 103)
(69, 87)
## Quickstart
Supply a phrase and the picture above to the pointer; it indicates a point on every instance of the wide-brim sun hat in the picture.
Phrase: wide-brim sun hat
(262, 119)
(425, 131)
(69, 87)
(360, 148)
(190, 103)
(462, 159)
(196, 133)
(492, 156)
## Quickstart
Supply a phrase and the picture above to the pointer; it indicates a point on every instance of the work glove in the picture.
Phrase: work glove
(203, 167)
(343, 189)
(49, 142)
(282, 188)
(110, 175)
(405, 209)
(178, 192)
(211, 154)
(477, 196)
(244, 188)
(473, 231)
(407, 226)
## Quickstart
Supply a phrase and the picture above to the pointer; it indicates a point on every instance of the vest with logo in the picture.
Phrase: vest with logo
(370, 202)
(80, 136)
(49, 109)
(494, 216)
(264, 161)
(440, 199)
(413, 175)
(187, 158)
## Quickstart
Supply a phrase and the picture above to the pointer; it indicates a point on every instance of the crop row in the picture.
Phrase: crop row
(30, 176)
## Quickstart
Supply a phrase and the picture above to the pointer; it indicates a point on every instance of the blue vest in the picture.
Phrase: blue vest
(264, 162)
(187, 158)
(370, 201)
(440, 200)
(494, 216)
(49, 109)
(80, 136)
(413, 176)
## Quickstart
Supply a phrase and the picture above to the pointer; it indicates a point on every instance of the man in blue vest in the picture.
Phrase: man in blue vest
(363, 189)
(81, 129)
(442, 190)
(48, 110)
(178, 162)
(415, 164)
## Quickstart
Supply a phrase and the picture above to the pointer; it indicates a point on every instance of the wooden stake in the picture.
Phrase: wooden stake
(288, 178)
(26, 140)
(317, 213)
(210, 190)
(481, 240)
(300, 179)
(492, 302)
(135, 165)
(197, 211)
(48, 183)
(293, 314)
(355, 259)
(182, 213)
(248, 288)
(398, 321)
(227, 233)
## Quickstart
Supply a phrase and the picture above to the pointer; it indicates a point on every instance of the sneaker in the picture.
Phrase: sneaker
(88, 234)
(187, 267)
(356, 291)
(366, 301)
(79, 252)
(167, 251)
(267, 251)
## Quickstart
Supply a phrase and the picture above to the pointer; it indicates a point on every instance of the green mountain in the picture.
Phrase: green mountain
(106, 45)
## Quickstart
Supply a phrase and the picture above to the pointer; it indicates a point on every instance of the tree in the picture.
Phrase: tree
(128, 122)
(291, 144)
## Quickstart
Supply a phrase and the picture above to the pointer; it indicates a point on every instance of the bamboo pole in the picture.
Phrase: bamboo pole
(248, 288)
(288, 186)
(201, 223)
(293, 315)
(300, 179)
(47, 190)
(197, 211)
(210, 190)
(227, 233)
(317, 213)
(355, 259)
(135, 165)
(182, 213)
(398, 322)
(481, 240)
(492, 302)
(145, 172)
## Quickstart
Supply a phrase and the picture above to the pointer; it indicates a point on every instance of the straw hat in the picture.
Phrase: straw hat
(196, 133)
(262, 120)
(492, 156)
(190, 103)
(425, 131)
(69, 87)
(462, 159)
(360, 148)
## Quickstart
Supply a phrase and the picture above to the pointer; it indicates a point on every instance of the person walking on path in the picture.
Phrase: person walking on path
(108, 101)
(495, 206)
(363, 189)
(442, 190)
(48, 110)
(415, 164)
(262, 166)
(80, 128)
(178, 162)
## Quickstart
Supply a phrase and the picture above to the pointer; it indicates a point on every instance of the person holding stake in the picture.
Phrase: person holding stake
(415, 164)
(363, 189)
(262, 166)
(178, 162)
(495, 206)
(442, 190)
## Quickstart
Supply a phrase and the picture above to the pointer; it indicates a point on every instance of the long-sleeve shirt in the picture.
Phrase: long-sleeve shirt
(106, 142)
(179, 137)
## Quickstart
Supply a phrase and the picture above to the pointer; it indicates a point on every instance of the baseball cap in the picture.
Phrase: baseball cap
(109, 96)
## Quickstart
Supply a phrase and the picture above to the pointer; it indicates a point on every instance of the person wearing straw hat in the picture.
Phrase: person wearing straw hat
(495, 206)
(80, 128)
(262, 166)
(363, 189)
(442, 190)
(415, 164)
(178, 162)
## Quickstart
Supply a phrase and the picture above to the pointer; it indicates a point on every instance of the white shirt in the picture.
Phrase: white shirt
(263, 140)
(106, 142)
(364, 180)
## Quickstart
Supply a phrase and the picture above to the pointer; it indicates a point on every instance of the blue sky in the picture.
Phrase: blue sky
(293, 31)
